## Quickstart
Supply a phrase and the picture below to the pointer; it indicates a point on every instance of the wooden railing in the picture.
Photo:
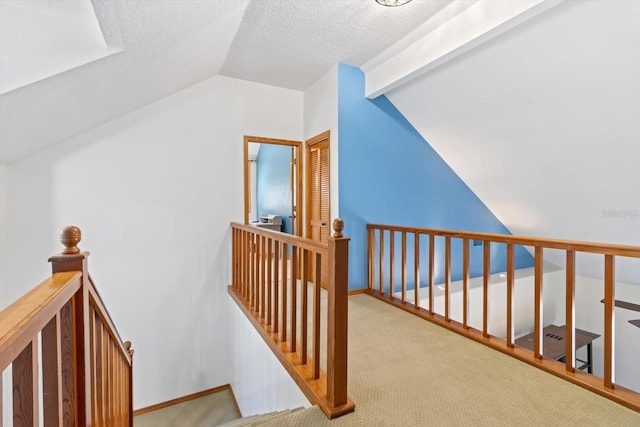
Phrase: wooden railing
(277, 283)
(85, 369)
(398, 288)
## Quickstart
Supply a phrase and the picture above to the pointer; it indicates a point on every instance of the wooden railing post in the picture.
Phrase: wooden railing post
(338, 251)
(76, 389)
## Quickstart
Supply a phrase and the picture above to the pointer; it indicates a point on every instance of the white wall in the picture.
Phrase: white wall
(259, 381)
(4, 188)
(541, 123)
(320, 115)
(153, 193)
(5, 390)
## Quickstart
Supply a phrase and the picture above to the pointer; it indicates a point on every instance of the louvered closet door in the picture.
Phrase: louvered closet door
(319, 215)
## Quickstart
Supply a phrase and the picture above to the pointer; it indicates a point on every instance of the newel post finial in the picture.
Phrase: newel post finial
(70, 236)
(338, 226)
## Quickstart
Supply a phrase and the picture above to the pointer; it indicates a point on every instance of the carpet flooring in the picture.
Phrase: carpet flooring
(207, 411)
(405, 371)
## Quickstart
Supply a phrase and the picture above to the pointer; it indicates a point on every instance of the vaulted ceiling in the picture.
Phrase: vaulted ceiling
(152, 48)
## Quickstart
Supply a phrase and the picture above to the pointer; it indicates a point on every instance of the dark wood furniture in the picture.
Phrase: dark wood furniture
(553, 344)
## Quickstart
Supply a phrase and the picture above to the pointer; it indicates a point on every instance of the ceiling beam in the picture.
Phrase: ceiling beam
(470, 28)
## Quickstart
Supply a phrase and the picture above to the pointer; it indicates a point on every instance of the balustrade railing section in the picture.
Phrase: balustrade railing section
(400, 259)
(277, 283)
(85, 369)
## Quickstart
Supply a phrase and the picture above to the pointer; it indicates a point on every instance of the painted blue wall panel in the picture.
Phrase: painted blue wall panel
(273, 182)
(389, 174)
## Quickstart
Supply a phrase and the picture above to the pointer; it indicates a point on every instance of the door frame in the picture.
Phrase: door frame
(298, 176)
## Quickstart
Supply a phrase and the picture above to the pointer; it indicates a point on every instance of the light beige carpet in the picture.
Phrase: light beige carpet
(405, 371)
(207, 411)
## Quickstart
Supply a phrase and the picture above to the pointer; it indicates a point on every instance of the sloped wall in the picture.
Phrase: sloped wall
(389, 174)
(542, 124)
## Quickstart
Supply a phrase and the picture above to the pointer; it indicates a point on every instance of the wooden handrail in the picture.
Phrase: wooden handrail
(86, 368)
(20, 321)
(275, 292)
(289, 239)
(588, 247)
(381, 286)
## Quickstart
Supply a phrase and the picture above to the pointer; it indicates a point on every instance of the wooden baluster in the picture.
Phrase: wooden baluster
(263, 277)
(447, 276)
(238, 258)
(276, 286)
(241, 254)
(416, 269)
(486, 275)
(392, 249)
(570, 332)
(510, 282)
(51, 373)
(104, 380)
(465, 283)
(99, 374)
(247, 266)
(285, 281)
(250, 267)
(609, 321)
(244, 256)
(370, 262)
(338, 316)
(92, 352)
(432, 245)
(305, 305)
(129, 395)
(234, 258)
(24, 371)
(67, 360)
(316, 316)
(538, 302)
(381, 256)
(109, 380)
(404, 267)
(294, 298)
(269, 281)
(256, 272)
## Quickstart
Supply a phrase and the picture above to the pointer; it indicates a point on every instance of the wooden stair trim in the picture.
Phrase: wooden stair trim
(187, 398)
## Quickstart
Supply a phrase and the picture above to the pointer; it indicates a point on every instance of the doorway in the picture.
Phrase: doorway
(272, 183)
(318, 196)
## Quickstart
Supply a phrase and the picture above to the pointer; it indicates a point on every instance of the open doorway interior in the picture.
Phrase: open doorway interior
(273, 184)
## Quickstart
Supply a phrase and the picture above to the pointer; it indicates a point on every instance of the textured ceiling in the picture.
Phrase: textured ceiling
(291, 44)
(168, 45)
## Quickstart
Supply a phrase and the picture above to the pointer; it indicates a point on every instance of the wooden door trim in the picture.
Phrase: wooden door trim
(324, 136)
(298, 169)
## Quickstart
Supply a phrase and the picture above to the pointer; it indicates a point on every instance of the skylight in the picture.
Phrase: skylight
(42, 38)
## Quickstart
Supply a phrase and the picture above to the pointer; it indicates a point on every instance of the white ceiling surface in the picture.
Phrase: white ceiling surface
(292, 43)
(542, 122)
(168, 45)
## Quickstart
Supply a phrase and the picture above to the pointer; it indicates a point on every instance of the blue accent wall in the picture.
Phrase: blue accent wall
(273, 182)
(389, 174)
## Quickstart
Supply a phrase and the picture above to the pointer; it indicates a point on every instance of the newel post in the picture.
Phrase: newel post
(74, 330)
(338, 270)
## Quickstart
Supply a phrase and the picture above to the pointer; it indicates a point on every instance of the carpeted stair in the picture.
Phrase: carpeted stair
(260, 419)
